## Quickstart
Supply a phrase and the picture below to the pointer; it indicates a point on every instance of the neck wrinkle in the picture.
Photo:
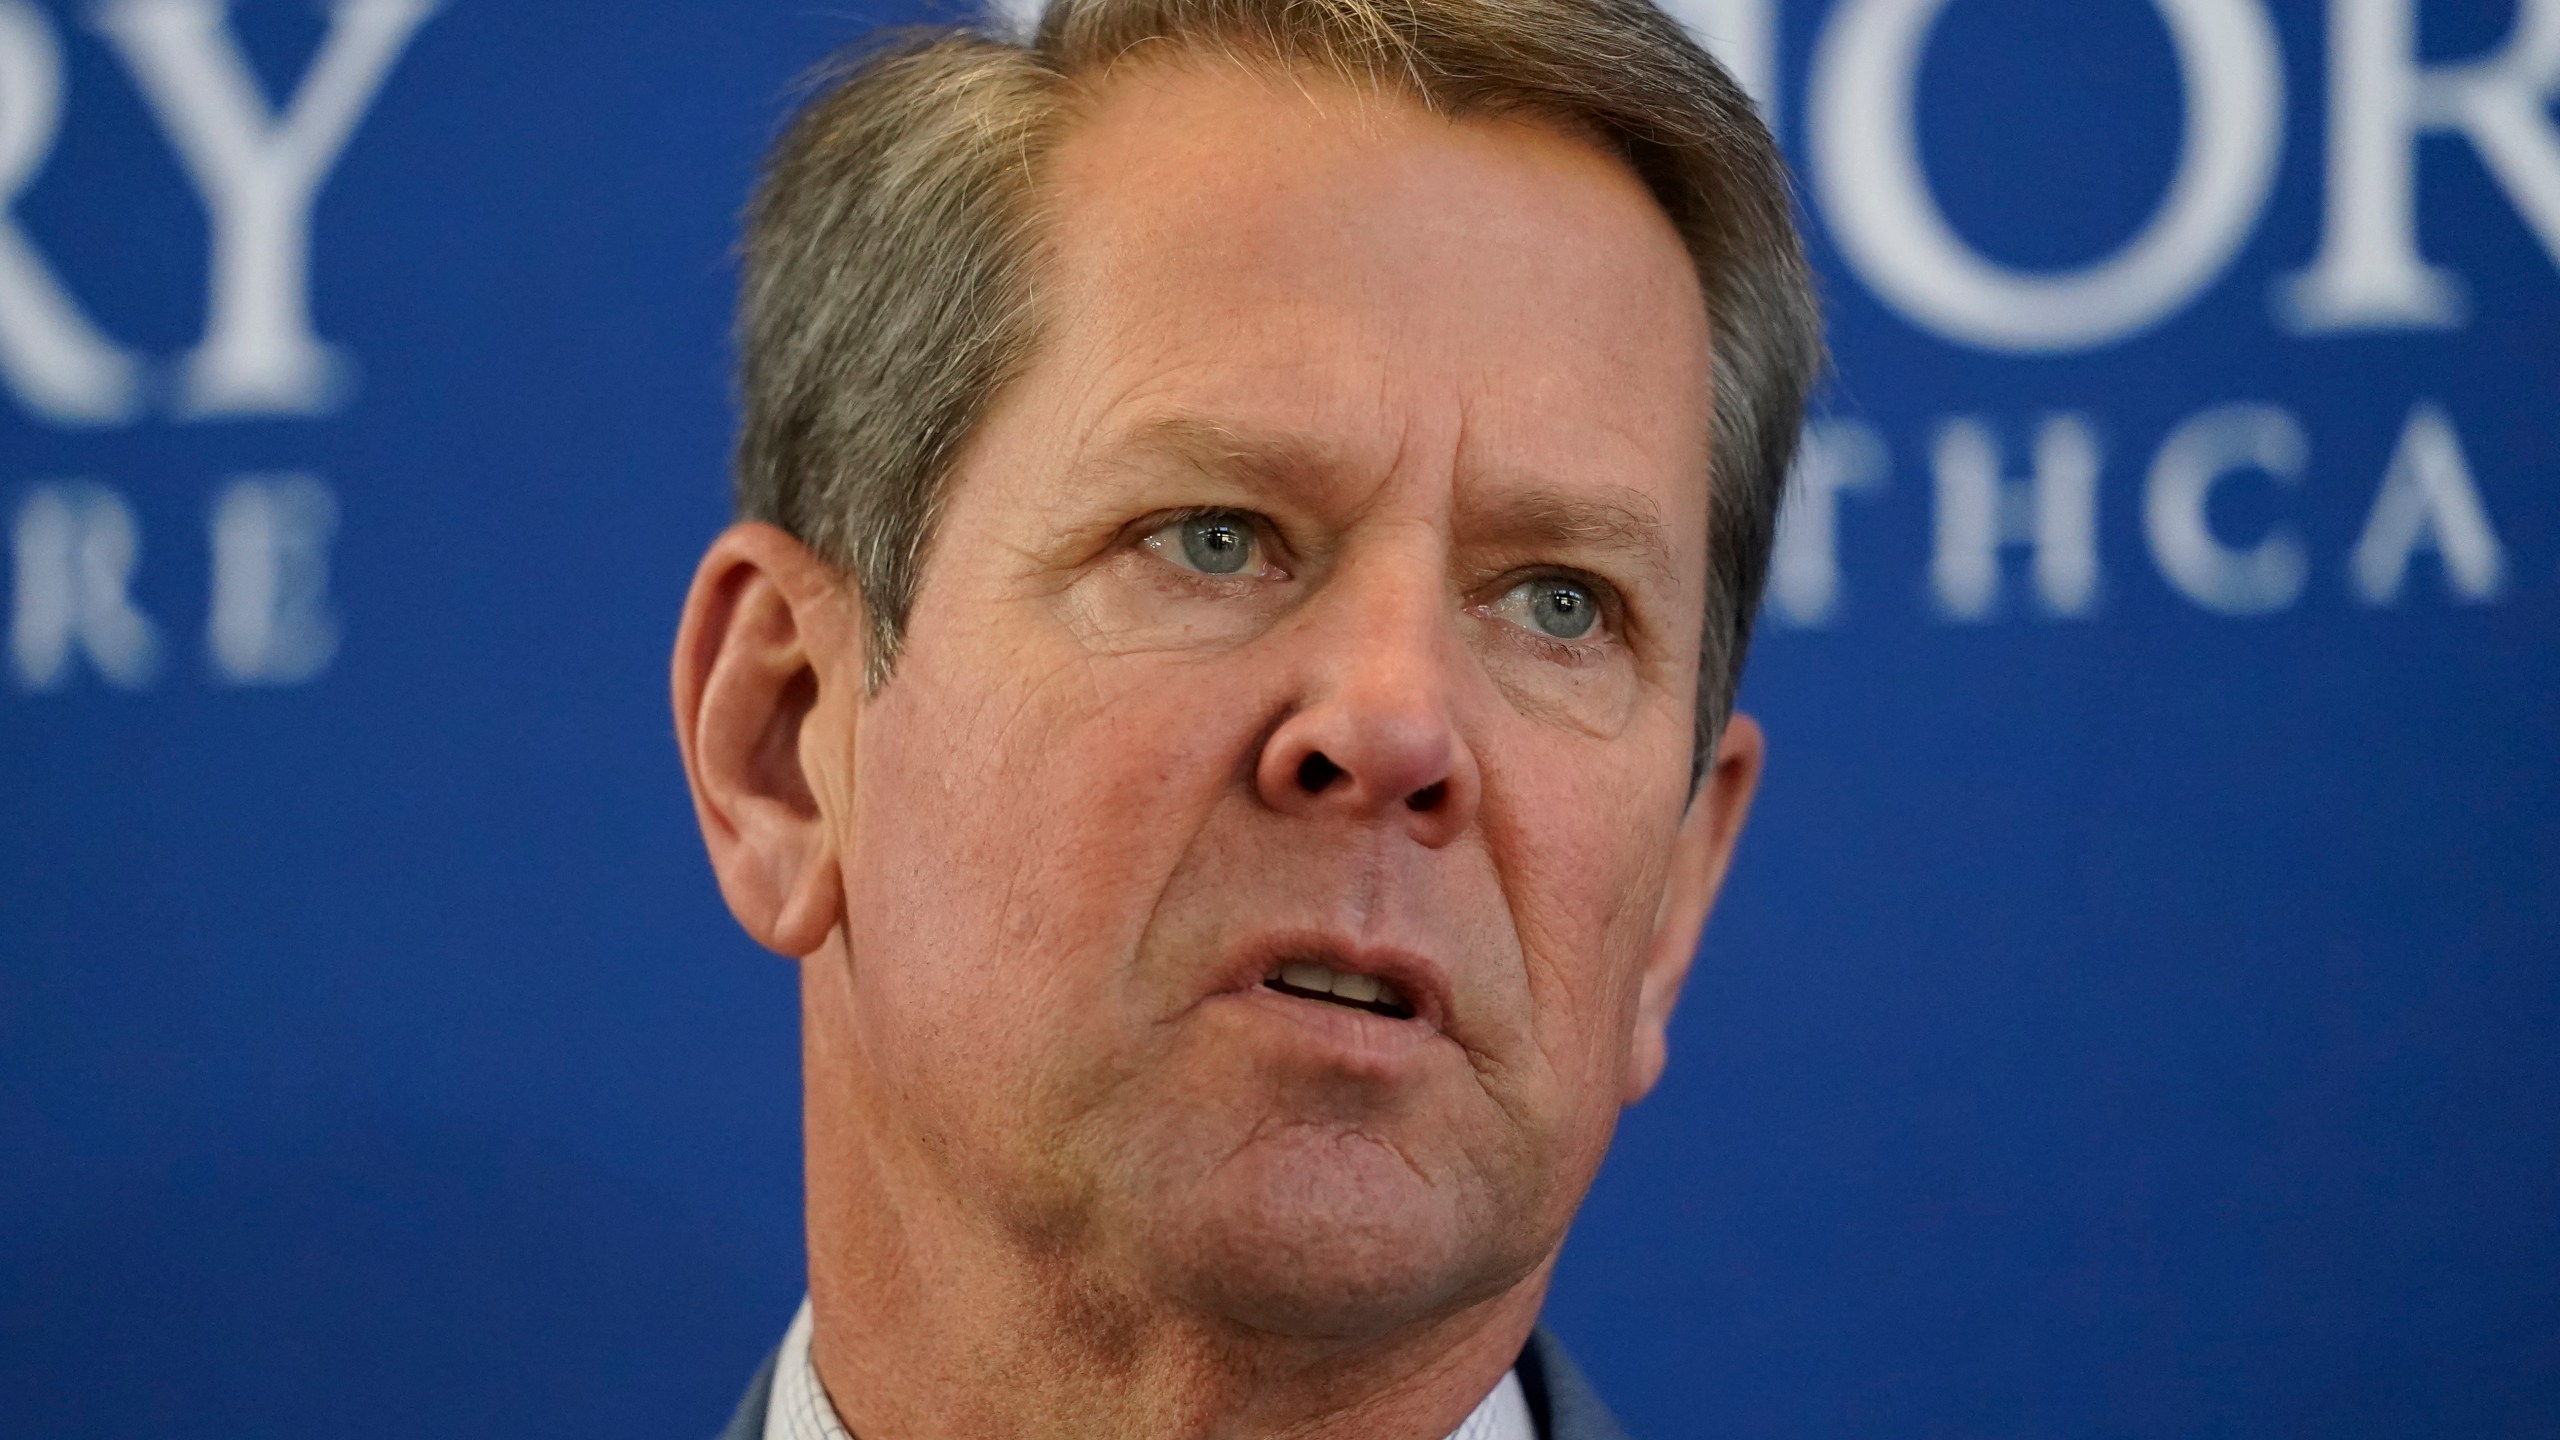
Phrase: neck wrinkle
(931, 1323)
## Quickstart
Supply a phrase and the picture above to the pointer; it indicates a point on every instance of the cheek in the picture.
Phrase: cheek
(1135, 602)
(1018, 811)
(1583, 858)
(1596, 693)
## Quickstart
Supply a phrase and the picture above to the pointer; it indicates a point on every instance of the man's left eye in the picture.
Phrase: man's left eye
(1220, 542)
(1550, 605)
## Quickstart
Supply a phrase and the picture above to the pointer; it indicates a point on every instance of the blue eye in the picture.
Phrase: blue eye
(1218, 543)
(1557, 608)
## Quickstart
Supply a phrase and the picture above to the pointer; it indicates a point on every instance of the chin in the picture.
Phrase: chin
(1326, 1232)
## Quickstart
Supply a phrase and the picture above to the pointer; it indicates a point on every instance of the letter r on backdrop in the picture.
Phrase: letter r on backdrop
(56, 360)
(2369, 274)
(76, 547)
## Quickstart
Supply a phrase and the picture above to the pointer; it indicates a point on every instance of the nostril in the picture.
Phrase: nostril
(1316, 773)
(1428, 798)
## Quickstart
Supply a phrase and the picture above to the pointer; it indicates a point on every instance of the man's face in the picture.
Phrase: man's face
(1324, 601)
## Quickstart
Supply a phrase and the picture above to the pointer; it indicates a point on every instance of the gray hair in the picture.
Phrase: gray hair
(889, 251)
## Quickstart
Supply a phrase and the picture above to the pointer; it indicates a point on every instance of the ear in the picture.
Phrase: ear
(1699, 855)
(767, 682)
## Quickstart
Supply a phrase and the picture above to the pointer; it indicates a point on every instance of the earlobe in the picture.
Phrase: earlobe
(1700, 855)
(761, 665)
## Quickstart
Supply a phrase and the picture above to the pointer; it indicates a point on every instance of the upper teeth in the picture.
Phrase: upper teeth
(1325, 980)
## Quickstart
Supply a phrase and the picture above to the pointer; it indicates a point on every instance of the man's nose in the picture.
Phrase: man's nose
(1372, 736)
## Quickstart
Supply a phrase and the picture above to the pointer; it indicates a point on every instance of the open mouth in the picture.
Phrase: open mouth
(1310, 981)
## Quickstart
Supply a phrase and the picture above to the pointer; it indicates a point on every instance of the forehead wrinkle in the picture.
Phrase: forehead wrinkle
(1617, 521)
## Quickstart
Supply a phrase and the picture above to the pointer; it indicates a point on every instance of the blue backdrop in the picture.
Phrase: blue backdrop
(2135, 1011)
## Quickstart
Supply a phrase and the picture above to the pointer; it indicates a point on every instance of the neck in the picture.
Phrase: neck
(934, 1319)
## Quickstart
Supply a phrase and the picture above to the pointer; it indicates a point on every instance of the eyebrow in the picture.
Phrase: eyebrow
(1261, 462)
(1537, 515)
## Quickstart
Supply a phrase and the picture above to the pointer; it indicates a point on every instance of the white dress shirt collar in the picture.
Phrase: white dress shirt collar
(799, 1408)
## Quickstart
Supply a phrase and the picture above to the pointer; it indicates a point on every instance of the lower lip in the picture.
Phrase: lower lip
(1337, 1036)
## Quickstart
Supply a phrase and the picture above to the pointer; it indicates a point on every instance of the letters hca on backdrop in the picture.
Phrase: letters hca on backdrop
(2134, 1012)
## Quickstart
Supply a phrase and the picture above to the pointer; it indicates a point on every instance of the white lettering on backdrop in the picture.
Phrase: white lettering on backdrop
(269, 623)
(256, 173)
(2054, 513)
(257, 168)
(2201, 453)
(1866, 169)
(75, 547)
(2368, 274)
(56, 361)
(1836, 457)
(2428, 501)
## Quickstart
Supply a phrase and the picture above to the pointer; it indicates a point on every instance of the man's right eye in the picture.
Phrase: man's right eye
(1215, 542)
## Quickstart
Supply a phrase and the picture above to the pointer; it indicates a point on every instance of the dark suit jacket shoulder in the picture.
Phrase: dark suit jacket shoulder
(1563, 1401)
(748, 1423)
